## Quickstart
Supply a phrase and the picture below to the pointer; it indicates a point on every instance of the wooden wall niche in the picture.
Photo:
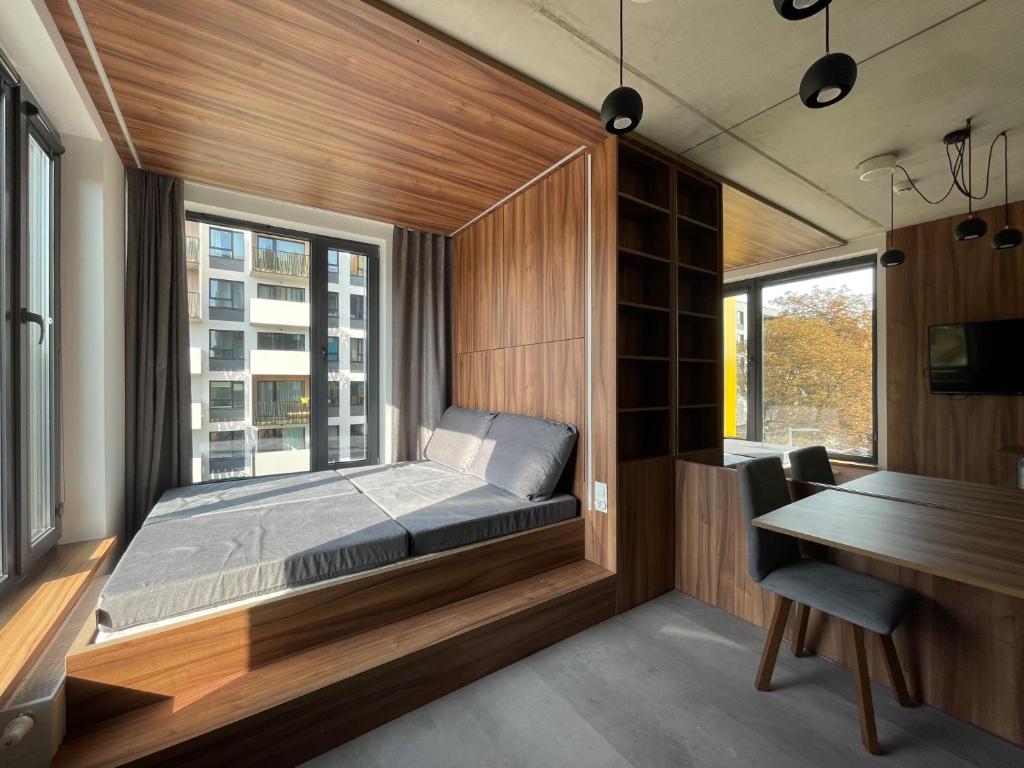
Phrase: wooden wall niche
(519, 285)
(945, 281)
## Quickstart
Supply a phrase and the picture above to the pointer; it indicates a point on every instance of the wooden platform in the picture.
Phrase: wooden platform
(300, 705)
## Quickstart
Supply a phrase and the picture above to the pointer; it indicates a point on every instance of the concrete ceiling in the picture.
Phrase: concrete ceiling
(719, 80)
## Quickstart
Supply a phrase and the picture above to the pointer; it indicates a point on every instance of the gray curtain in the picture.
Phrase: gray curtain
(421, 338)
(158, 422)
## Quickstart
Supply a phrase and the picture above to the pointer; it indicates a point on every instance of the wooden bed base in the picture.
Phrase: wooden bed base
(182, 663)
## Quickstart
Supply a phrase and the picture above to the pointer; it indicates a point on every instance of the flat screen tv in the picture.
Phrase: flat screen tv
(977, 358)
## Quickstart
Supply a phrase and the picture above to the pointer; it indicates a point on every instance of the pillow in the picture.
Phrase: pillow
(524, 455)
(458, 436)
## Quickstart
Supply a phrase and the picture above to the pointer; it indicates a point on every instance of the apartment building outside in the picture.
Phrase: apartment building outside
(249, 328)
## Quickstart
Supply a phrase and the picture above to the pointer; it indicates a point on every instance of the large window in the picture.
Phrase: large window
(280, 370)
(800, 359)
(30, 426)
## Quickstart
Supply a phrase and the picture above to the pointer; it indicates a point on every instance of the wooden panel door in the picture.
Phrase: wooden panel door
(479, 285)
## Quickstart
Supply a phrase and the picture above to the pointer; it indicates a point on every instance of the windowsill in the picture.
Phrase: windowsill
(31, 615)
(753, 450)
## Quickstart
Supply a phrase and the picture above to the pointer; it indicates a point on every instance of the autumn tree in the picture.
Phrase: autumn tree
(818, 361)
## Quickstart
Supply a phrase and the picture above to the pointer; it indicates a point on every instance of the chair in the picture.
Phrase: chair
(811, 465)
(861, 601)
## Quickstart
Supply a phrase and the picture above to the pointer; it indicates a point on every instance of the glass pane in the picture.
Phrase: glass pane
(38, 342)
(347, 310)
(818, 378)
(735, 332)
(251, 358)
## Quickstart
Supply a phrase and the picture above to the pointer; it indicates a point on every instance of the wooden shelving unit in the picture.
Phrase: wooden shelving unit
(668, 395)
(699, 317)
(669, 308)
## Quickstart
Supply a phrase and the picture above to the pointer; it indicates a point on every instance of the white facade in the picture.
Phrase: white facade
(264, 428)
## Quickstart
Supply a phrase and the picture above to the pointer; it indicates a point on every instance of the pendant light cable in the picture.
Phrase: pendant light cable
(1006, 179)
(828, 46)
(892, 215)
(622, 37)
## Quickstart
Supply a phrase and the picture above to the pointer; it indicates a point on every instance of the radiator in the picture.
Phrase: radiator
(32, 721)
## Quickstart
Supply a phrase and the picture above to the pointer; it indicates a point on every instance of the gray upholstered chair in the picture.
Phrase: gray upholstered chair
(861, 601)
(811, 465)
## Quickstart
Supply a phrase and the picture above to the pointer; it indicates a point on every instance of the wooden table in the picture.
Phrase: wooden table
(980, 549)
(939, 492)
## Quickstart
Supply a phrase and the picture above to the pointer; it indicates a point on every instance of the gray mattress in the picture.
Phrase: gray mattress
(208, 545)
(212, 544)
(442, 508)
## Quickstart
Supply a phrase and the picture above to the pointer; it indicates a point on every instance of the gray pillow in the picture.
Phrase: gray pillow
(457, 438)
(524, 455)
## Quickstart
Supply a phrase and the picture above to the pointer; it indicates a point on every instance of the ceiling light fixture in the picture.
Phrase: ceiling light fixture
(623, 107)
(1009, 237)
(831, 78)
(959, 155)
(972, 227)
(795, 10)
(892, 257)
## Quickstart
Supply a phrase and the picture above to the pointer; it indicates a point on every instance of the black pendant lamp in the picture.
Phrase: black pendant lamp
(972, 227)
(892, 257)
(795, 10)
(623, 107)
(1009, 237)
(831, 78)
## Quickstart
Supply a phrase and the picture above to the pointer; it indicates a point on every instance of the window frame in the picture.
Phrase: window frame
(23, 121)
(320, 278)
(210, 246)
(753, 288)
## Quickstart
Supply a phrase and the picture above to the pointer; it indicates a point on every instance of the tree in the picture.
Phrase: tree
(818, 356)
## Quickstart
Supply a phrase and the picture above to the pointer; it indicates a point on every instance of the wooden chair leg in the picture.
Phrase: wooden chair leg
(803, 613)
(780, 613)
(892, 663)
(862, 682)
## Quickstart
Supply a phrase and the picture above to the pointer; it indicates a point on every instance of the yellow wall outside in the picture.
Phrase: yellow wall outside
(729, 335)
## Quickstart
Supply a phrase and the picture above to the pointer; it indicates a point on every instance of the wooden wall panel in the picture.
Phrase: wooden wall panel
(545, 266)
(962, 648)
(601, 539)
(943, 281)
(646, 537)
(478, 284)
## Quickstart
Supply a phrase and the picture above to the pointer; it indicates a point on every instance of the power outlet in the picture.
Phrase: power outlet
(601, 497)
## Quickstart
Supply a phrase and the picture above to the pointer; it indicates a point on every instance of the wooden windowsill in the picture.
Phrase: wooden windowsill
(37, 608)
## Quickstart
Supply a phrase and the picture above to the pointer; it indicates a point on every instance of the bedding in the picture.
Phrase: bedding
(205, 546)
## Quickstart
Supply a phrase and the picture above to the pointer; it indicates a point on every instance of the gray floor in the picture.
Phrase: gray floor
(667, 684)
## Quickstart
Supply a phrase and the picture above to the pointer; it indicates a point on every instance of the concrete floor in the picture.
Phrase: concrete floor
(667, 684)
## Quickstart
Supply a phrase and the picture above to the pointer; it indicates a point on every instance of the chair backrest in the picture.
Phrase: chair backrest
(811, 465)
(764, 488)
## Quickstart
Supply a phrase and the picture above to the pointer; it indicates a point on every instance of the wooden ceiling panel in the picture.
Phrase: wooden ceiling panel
(756, 232)
(337, 104)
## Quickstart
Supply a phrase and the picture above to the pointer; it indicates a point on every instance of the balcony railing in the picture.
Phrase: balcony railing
(193, 305)
(357, 409)
(356, 322)
(192, 250)
(281, 263)
(357, 365)
(356, 280)
(275, 412)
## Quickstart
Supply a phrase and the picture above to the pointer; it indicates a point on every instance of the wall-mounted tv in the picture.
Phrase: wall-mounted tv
(977, 358)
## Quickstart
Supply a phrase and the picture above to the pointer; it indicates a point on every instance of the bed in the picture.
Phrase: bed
(203, 547)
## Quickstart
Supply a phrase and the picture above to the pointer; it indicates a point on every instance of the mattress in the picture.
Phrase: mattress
(208, 545)
(442, 509)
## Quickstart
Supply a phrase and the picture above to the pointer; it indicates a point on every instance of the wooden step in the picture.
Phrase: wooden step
(294, 708)
(184, 660)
